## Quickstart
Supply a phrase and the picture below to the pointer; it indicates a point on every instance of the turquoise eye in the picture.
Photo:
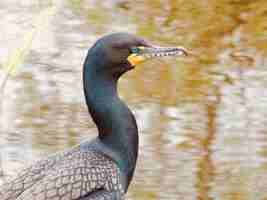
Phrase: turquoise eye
(135, 50)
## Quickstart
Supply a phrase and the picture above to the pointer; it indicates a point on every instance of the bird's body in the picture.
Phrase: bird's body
(101, 169)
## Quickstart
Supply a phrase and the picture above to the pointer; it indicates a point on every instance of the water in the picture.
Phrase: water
(202, 119)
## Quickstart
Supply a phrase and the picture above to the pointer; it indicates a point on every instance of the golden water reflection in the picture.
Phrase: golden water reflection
(202, 119)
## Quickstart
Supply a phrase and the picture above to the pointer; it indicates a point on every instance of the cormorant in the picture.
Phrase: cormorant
(101, 169)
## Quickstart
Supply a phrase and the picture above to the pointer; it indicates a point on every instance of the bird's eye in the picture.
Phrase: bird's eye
(135, 50)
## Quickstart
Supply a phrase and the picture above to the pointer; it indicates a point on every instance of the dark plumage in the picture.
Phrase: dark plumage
(102, 168)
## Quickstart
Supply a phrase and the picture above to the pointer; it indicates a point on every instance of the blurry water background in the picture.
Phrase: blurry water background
(202, 119)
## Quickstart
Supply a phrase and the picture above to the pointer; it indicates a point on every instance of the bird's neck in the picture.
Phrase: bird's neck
(115, 122)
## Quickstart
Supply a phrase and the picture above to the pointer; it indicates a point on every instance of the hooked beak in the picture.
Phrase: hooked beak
(142, 54)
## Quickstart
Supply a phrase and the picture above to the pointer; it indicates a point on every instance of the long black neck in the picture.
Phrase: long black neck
(115, 122)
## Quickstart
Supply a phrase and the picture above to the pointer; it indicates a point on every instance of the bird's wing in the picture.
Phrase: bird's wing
(104, 195)
(30, 175)
(76, 176)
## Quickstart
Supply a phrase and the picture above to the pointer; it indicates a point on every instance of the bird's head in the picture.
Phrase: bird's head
(118, 53)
